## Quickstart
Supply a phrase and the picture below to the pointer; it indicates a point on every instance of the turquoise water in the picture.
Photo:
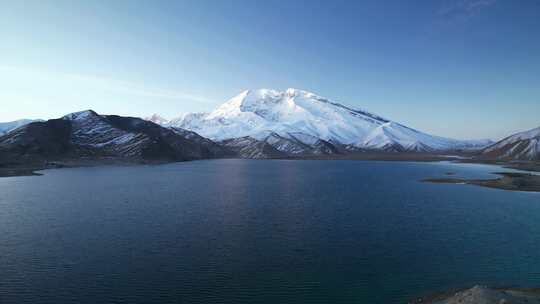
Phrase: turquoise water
(246, 231)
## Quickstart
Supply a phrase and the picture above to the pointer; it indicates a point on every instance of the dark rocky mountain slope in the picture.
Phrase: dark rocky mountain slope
(90, 136)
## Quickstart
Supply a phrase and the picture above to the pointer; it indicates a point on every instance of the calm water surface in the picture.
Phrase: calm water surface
(244, 231)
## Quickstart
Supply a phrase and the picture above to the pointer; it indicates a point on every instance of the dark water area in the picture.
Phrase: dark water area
(246, 231)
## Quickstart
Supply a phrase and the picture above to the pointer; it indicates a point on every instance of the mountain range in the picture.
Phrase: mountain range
(254, 124)
(88, 135)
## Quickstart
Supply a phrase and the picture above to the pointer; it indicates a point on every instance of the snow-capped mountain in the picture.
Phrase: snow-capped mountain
(6, 127)
(298, 116)
(520, 146)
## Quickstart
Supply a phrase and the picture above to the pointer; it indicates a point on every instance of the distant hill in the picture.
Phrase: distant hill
(6, 127)
(520, 146)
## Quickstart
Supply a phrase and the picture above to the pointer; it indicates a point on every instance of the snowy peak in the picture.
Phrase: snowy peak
(155, 118)
(255, 113)
(267, 104)
(293, 110)
(232, 107)
(287, 106)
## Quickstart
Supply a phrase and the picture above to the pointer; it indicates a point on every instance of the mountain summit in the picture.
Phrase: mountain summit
(297, 114)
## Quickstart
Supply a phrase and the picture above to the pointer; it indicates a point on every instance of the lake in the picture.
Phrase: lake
(248, 231)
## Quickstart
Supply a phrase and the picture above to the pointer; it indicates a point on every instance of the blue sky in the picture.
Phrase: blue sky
(458, 68)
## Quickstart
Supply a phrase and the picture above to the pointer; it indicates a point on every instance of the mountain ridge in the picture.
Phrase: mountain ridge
(519, 146)
(6, 127)
(88, 135)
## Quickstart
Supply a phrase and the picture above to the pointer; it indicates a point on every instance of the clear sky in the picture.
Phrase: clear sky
(457, 68)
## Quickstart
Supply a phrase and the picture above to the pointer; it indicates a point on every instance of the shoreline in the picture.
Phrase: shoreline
(482, 294)
(15, 171)
(31, 169)
(520, 181)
